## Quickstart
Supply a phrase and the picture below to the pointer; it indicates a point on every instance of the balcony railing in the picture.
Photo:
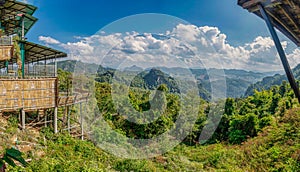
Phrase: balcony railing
(31, 71)
(6, 40)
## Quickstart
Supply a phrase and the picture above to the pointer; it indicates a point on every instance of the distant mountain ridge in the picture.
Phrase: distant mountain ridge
(237, 81)
(269, 81)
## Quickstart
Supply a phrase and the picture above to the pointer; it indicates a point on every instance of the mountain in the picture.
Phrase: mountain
(155, 77)
(269, 81)
(147, 79)
(71, 65)
(134, 68)
(237, 81)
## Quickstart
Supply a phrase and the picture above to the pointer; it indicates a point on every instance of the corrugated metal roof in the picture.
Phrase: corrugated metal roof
(10, 19)
(35, 52)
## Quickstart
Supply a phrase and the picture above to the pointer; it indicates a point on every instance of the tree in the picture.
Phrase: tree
(17, 53)
(242, 127)
(229, 107)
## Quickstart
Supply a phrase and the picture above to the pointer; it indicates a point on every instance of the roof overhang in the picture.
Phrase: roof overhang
(9, 16)
(284, 14)
(35, 52)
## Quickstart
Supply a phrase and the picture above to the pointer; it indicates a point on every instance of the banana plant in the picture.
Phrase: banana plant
(9, 156)
(17, 53)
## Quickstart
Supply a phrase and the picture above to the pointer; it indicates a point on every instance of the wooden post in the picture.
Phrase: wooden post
(55, 67)
(23, 119)
(68, 118)
(6, 65)
(55, 120)
(45, 114)
(20, 116)
(38, 115)
(81, 121)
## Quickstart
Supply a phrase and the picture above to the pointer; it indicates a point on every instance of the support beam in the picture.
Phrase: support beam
(23, 119)
(45, 114)
(38, 115)
(281, 52)
(6, 66)
(81, 121)
(69, 119)
(55, 67)
(22, 47)
(55, 120)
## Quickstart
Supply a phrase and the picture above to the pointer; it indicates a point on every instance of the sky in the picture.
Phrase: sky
(199, 33)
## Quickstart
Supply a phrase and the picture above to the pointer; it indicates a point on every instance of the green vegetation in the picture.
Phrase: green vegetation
(270, 81)
(256, 133)
(8, 157)
(276, 148)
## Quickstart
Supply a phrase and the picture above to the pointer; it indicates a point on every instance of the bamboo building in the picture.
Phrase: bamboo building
(28, 82)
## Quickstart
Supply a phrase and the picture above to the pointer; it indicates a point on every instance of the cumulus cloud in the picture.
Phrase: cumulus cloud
(183, 45)
(48, 40)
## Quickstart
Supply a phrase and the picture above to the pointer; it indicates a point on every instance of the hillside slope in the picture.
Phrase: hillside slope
(269, 81)
(276, 148)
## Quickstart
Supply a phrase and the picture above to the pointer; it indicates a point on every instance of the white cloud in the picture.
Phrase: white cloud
(183, 45)
(48, 40)
(294, 57)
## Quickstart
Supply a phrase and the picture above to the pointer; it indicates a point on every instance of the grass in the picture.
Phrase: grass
(276, 148)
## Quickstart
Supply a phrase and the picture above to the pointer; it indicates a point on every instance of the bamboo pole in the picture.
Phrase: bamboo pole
(23, 119)
(55, 120)
(81, 121)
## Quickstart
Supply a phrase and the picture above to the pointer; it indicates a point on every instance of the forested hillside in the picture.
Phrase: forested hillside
(270, 81)
(256, 133)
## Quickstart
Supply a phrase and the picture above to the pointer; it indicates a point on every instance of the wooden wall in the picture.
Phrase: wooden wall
(28, 94)
(6, 52)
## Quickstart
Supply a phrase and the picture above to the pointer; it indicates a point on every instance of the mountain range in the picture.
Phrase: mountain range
(238, 82)
(269, 81)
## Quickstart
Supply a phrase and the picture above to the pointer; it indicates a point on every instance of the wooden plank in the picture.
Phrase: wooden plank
(283, 25)
(291, 18)
(6, 52)
(256, 8)
(253, 4)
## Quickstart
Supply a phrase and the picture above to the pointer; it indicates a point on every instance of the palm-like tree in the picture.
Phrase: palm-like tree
(9, 156)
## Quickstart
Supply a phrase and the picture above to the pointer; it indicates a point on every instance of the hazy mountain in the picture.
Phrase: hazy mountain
(237, 81)
(134, 68)
(70, 65)
(269, 81)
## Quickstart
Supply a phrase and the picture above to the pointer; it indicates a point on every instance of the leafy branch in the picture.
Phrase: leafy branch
(9, 157)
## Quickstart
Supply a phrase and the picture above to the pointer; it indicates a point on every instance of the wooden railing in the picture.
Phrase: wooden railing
(75, 98)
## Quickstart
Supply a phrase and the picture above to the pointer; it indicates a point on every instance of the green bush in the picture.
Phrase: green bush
(242, 127)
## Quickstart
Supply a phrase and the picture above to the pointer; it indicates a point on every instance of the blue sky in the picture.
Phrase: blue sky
(240, 39)
(65, 19)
